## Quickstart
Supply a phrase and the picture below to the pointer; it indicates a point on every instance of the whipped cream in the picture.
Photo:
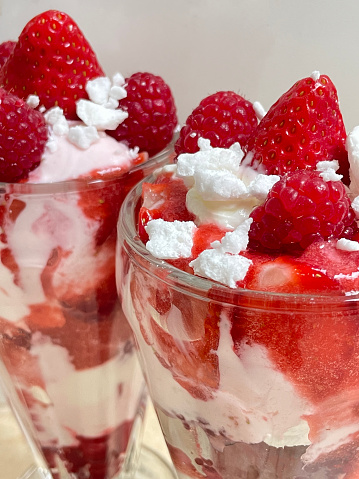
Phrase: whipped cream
(71, 399)
(63, 160)
(254, 401)
(221, 190)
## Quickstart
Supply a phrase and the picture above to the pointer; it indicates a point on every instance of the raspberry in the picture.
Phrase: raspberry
(6, 49)
(23, 135)
(223, 118)
(152, 115)
(300, 209)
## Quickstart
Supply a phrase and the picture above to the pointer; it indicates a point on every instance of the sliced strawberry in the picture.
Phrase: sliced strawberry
(16, 355)
(8, 260)
(341, 266)
(303, 127)
(87, 291)
(183, 332)
(204, 236)
(166, 199)
(53, 60)
(103, 203)
(309, 341)
(286, 275)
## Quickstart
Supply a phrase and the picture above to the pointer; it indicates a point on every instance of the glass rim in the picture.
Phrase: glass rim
(77, 184)
(197, 286)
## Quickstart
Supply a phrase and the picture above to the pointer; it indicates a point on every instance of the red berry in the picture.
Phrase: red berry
(299, 209)
(152, 115)
(53, 60)
(186, 344)
(223, 118)
(204, 236)
(103, 204)
(303, 127)
(166, 199)
(286, 274)
(313, 347)
(6, 49)
(23, 135)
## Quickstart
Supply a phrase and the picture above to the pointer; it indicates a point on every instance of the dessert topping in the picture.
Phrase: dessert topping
(221, 190)
(303, 126)
(151, 110)
(23, 136)
(300, 208)
(223, 262)
(223, 118)
(170, 240)
(53, 60)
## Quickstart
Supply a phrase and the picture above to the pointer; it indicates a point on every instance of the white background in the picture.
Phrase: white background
(257, 48)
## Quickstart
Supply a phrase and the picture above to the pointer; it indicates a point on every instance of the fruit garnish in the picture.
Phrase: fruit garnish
(103, 204)
(152, 116)
(6, 49)
(287, 275)
(223, 118)
(23, 135)
(195, 331)
(304, 126)
(300, 208)
(205, 235)
(53, 60)
(166, 199)
(311, 347)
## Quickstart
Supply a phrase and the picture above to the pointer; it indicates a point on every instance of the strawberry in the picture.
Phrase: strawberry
(166, 199)
(204, 236)
(23, 135)
(309, 341)
(184, 333)
(287, 275)
(152, 116)
(304, 126)
(6, 49)
(223, 118)
(103, 204)
(53, 60)
(341, 266)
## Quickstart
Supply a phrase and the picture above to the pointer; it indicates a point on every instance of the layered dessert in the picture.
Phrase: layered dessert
(238, 269)
(72, 143)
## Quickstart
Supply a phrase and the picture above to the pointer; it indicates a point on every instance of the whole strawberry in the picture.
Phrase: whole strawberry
(23, 135)
(223, 118)
(53, 60)
(303, 127)
(152, 116)
(6, 49)
(300, 208)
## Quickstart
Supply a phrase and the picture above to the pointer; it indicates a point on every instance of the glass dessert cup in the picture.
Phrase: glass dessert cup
(69, 367)
(245, 384)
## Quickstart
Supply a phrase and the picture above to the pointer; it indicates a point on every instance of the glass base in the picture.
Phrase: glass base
(151, 466)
